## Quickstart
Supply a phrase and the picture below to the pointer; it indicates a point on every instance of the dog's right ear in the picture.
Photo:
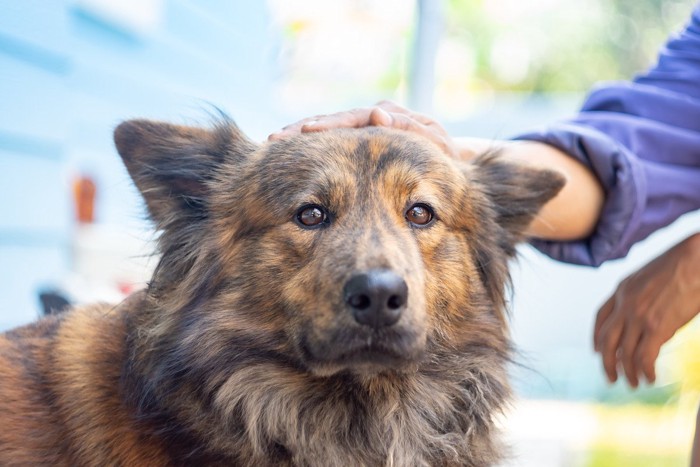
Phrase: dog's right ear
(517, 191)
(173, 165)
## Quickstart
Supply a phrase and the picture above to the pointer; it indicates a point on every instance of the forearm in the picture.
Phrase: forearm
(574, 212)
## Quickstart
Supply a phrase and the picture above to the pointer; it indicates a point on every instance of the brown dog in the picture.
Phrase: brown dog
(330, 299)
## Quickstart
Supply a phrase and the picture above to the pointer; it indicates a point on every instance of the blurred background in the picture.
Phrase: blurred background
(71, 223)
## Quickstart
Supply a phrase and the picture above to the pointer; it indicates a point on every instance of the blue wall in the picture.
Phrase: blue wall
(70, 71)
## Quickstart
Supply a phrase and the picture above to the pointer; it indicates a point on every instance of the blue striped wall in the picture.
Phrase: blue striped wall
(69, 72)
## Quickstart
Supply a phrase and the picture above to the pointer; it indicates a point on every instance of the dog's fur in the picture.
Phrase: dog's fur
(242, 350)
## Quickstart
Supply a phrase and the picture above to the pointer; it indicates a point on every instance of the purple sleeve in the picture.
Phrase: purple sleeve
(642, 140)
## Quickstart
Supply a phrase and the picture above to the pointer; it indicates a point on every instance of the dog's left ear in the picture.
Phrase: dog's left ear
(173, 165)
(517, 191)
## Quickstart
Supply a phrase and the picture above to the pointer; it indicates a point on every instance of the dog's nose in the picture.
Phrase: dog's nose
(376, 298)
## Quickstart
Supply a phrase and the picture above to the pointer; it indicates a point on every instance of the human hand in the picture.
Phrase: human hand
(386, 114)
(646, 310)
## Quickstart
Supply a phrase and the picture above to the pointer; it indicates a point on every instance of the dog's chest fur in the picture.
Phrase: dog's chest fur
(275, 415)
(282, 415)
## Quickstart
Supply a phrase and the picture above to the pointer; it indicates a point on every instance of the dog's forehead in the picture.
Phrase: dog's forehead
(363, 151)
(345, 168)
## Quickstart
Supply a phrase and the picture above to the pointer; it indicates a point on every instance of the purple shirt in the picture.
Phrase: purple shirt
(642, 140)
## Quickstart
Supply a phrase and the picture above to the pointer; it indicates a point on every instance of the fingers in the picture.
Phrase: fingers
(606, 336)
(380, 117)
(394, 108)
(620, 339)
(629, 338)
(645, 357)
(293, 128)
(628, 347)
(655, 333)
(406, 122)
(610, 335)
(356, 118)
(601, 318)
(348, 119)
(384, 113)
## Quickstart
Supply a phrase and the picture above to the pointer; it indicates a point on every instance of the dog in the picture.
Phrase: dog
(329, 299)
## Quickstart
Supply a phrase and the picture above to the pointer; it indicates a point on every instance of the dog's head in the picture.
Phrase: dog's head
(348, 250)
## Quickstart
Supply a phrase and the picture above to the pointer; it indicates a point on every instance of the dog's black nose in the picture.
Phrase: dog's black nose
(377, 298)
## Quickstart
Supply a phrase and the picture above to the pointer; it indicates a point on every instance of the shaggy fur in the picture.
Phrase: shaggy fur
(242, 350)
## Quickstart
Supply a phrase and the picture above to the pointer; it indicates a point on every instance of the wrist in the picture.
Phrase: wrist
(689, 266)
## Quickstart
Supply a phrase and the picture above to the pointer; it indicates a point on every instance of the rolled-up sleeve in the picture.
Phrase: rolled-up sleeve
(642, 140)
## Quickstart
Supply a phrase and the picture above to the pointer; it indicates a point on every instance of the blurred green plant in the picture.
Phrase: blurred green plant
(640, 435)
(621, 394)
(334, 54)
(616, 458)
(685, 363)
(551, 46)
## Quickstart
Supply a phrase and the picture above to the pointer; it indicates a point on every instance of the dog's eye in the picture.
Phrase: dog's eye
(312, 216)
(420, 215)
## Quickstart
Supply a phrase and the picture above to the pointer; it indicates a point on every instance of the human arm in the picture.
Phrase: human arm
(642, 140)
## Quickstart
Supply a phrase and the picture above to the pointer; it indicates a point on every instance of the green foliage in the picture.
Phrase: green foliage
(569, 45)
(620, 394)
(617, 458)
